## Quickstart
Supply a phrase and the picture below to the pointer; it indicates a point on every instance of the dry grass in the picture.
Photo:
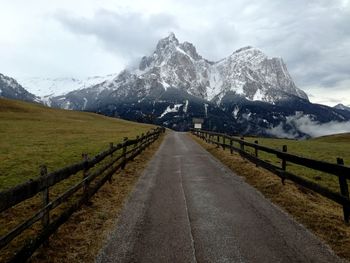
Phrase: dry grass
(322, 216)
(32, 135)
(80, 239)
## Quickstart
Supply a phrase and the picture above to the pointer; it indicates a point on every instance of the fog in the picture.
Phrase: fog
(299, 123)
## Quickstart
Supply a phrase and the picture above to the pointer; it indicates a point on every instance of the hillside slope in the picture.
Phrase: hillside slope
(32, 135)
(11, 89)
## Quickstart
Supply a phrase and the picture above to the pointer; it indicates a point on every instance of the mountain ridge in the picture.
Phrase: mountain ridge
(341, 106)
(247, 72)
(244, 93)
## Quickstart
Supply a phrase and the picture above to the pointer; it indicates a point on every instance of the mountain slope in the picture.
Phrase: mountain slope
(32, 134)
(10, 88)
(341, 107)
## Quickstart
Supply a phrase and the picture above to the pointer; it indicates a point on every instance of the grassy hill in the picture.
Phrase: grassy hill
(32, 135)
(326, 148)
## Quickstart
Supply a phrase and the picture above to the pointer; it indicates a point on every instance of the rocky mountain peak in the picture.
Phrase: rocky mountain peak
(171, 55)
(169, 41)
(190, 49)
(247, 73)
(243, 49)
(248, 54)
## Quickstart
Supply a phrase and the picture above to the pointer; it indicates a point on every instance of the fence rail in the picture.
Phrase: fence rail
(42, 184)
(338, 169)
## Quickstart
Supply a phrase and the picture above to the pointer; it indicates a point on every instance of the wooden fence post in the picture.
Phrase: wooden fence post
(45, 220)
(85, 174)
(142, 141)
(256, 151)
(124, 152)
(110, 147)
(231, 145)
(284, 162)
(344, 190)
(136, 144)
(223, 142)
(147, 140)
(242, 144)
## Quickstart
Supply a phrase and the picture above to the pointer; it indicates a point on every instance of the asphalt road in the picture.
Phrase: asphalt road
(188, 207)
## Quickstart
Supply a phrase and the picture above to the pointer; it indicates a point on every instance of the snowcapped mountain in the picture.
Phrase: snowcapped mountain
(245, 93)
(10, 88)
(51, 87)
(247, 73)
(342, 107)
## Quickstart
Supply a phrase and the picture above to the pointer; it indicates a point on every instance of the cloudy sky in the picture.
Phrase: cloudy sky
(80, 38)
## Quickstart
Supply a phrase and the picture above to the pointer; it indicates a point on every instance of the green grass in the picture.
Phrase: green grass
(32, 135)
(327, 148)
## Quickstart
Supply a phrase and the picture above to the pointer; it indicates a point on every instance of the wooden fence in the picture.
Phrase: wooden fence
(339, 170)
(127, 150)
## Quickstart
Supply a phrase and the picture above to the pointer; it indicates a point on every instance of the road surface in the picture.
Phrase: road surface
(188, 207)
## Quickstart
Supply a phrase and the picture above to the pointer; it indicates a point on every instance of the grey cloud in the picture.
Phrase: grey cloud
(313, 37)
(314, 42)
(129, 35)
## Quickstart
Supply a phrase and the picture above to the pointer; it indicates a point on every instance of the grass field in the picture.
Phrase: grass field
(32, 135)
(327, 148)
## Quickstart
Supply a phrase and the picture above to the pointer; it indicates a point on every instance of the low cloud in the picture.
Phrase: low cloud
(300, 125)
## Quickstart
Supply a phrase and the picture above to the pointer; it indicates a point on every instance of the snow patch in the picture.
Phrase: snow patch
(235, 112)
(169, 109)
(46, 100)
(185, 107)
(259, 95)
(165, 84)
(85, 102)
(206, 109)
(215, 84)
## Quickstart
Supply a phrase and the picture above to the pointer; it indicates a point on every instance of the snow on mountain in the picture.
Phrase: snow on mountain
(48, 87)
(342, 107)
(250, 73)
(10, 88)
(247, 72)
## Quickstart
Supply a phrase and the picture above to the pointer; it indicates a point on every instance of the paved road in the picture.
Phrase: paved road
(188, 207)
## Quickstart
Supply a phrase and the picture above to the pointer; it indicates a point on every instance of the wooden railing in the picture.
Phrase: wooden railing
(339, 170)
(127, 150)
